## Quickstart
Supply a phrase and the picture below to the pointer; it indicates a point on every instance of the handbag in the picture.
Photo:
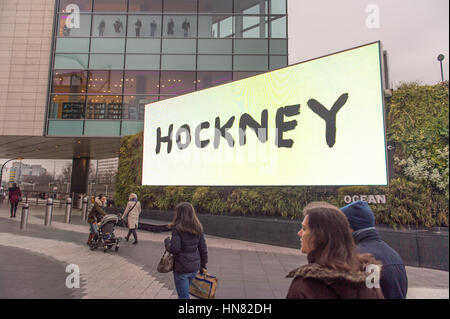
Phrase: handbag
(204, 286)
(166, 263)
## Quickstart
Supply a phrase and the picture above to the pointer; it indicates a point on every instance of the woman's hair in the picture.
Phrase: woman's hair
(132, 195)
(185, 219)
(332, 242)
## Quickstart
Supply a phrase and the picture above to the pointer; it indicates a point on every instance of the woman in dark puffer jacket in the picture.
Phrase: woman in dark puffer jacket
(188, 247)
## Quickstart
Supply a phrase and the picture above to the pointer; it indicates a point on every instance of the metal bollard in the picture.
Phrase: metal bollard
(84, 209)
(24, 217)
(49, 212)
(68, 215)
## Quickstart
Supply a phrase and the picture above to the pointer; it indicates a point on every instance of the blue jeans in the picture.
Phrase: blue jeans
(94, 228)
(182, 283)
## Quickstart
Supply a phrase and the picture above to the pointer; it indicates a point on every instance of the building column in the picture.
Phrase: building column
(80, 175)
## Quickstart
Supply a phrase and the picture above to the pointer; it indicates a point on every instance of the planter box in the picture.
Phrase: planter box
(419, 248)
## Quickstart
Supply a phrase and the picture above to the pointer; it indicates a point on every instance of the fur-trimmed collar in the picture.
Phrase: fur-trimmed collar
(330, 276)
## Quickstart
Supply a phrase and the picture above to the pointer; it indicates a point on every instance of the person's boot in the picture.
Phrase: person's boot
(91, 237)
(135, 242)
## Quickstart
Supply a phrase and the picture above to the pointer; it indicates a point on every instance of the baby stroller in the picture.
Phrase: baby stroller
(106, 238)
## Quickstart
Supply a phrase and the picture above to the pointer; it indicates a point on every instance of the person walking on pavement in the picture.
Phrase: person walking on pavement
(133, 210)
(15, 196)
(334, 269)
(188, 247)
(393, 277)
(95, 216)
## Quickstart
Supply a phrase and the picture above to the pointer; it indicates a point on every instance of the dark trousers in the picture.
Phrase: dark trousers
(14, 209)
(132, 231)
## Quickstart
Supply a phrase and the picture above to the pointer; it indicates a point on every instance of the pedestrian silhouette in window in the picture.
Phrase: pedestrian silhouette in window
(101, 28)
(138, 26)
(186, 26)
(153, 27)
(118, 26)
(66, 31)
(170, 27)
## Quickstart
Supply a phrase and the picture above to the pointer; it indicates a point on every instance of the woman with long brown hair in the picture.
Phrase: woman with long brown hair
(334, 269)
(188, 247)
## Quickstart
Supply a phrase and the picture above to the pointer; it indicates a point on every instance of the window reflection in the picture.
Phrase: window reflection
(67, 107)
(210, 79)
(251, 6)
(278, 27)
(215, 26)
(106, 82)
(244, 75)
(134, 106)
(180, 26)
(144, 26)
(109, 26)
(110, 5)
(145, 6)
(104, 107)
(215, 6)
(141, 82)
(69, 81)
(180, 6)
(251, 26)
(177, 82)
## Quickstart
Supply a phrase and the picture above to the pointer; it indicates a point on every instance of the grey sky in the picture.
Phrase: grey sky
(414, 32)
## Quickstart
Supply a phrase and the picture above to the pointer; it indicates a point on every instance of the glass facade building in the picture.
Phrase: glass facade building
(116, 56)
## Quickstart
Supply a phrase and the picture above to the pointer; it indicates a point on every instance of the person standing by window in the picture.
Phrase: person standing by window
(15, 196)
(188, 247)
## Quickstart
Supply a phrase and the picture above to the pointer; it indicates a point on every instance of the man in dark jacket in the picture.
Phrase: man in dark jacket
(393, 278)
(15, 196)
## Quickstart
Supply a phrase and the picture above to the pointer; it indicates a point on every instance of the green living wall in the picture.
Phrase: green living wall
(417, 121)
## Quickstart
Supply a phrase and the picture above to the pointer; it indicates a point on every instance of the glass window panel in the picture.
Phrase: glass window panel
(142, 62)
(243, 75)
(180, 6)
(109, 25)
(251, 63)
(178, 62)
(251, 46)
(210, 79)
(67, 107)
(214, 63)
(278, 27)
(69, 27)
(278, 6)
(102, 128)
(105, 82)
(110, 5)
(222, 46)
(72, 45)
(83, 5)
(104, 107)
(106, 62)
(277, 62)
(69, 81)
(145, 6)
(131, 127)
(179, 46)
(251, 26)
(144, 26)
(134, 106)
(71, 61)
(107, 45)
(141, 82)
(177, 82)
(215, 6)
(215, 26)
(278, 47)
(251, 6)
(180, 26)
(64, 127)
(143, 46)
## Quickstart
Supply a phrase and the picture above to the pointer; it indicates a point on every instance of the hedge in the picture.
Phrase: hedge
(417, 121)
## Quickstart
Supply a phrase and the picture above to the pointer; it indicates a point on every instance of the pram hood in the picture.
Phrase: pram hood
(111, 218)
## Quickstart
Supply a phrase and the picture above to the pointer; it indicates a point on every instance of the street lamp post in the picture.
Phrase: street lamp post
(3, 166)
(440, 59)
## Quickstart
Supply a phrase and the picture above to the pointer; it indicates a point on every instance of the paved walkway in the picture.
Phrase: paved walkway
(34, 264)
